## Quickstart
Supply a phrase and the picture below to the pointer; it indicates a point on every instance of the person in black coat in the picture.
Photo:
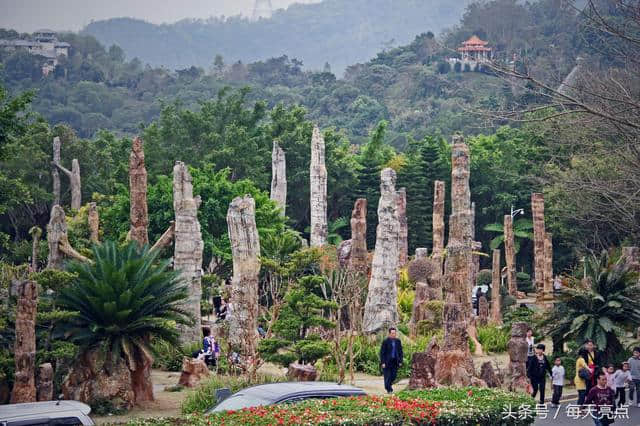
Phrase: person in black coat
(391, 357)
(538, 367)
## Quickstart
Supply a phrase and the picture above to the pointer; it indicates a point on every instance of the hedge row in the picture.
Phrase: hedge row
(445, 406)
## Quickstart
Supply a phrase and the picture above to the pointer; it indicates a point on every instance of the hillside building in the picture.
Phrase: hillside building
(44, 43)
(473, 52)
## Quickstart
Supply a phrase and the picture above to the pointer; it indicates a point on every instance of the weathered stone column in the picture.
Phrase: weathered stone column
(318, 179)
(518, 357)
(358, 259)
(279, 177)
(455, 365)
(424, 272)
(44, 382)
(74, 182)
(438, 220)
(381, 310)
(537, 209)
(188, 247)
(138, 211)
(58, 240)
(548, 267)
(36, 233)
(93, 219)
(510, 255)
(403, 230)
(496, 316)
(24, 386)
(55, 174)
(245, 248)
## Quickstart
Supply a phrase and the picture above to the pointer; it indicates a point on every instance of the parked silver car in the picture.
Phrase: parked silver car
(291, 392)
(49, 413)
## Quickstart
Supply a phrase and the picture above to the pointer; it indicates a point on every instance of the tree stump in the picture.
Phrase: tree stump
(193, 371)
(489, 375)
(423, 367)
(302, 372)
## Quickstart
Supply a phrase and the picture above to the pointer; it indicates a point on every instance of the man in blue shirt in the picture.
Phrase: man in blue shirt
(391, 356)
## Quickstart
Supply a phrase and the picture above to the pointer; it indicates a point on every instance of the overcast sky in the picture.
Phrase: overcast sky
(30, 15)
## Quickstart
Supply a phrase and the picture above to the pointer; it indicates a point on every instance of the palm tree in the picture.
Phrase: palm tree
(122, 300)
(598, 306)
(521, 231)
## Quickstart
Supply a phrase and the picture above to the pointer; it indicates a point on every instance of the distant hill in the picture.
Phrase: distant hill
(340, 32)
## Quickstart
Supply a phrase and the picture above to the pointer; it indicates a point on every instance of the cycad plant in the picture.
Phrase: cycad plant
(598, 306)
(123, 299)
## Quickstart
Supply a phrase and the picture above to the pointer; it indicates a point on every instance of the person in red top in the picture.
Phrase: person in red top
(601, 395)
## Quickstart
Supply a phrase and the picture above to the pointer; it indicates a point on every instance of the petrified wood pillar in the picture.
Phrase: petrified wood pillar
(74, 182)
(455, 365)
(58, 240)
(403, 229)
(318, 179)
(438, 220)
(36, 233)
(496, 316)
(138, 211)
(483, 310)
(358, 259)
(424, 272)
(381, 310)
(24, 387)
(93, 219)
(537, 209)
(518, 357)
(279, 177)
(44, 382)
(548, 267)
(188, 247)
(55, 174)
(245, 248)
(510, 255)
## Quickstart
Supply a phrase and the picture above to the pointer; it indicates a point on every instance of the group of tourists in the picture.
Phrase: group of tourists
(597, 384)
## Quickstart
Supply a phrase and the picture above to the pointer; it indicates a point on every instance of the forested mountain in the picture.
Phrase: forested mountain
(338, 32)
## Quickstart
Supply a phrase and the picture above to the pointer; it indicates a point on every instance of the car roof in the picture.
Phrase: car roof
(276, 391)
(16, 411)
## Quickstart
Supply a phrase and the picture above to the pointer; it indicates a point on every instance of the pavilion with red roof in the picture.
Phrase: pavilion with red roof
(475, 49)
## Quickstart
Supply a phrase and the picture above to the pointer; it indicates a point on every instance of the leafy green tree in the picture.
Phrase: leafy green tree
(303, 309)
(123, 299)
(601, 306)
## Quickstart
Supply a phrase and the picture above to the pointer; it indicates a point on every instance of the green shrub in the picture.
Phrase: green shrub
(204, 396)
(494, 339)
(433, 323)
(484, 277)
(524, 283)
(168, 357)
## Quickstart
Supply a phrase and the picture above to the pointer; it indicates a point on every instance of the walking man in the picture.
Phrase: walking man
(390, 358)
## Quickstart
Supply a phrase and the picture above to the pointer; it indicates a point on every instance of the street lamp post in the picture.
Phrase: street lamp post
(514, 213)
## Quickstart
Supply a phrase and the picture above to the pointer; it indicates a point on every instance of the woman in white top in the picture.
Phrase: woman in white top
(530, 343)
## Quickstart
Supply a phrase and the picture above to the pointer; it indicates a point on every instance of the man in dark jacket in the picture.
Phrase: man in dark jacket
(390, 358)
(538, 367)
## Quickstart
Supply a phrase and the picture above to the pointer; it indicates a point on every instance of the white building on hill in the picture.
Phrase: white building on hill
(44, 43)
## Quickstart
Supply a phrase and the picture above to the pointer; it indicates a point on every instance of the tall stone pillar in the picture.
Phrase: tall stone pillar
(24, 386)
(537, 209)
(381, 310)
(455, 365)
(138, 210)
(188, 249)
(358, 258)
(35, 233)
(518, 357)
(548, 267)
(496, 316)
(403, 230)
(318, 179)
(55, 174)
(93, 219)
(510, 255)
(245, 248)
(279, 177)
(424, 272)
(438, 220)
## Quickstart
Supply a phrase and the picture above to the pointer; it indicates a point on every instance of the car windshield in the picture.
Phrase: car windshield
(237, 402)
